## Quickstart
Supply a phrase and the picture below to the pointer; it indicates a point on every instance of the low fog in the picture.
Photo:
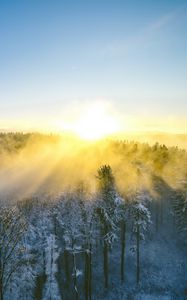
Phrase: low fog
(48, 164)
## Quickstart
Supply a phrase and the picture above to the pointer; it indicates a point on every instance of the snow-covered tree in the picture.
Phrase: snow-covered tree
(107, 210)
(180, 210)
(89, 234)
(47, 254)
(22, 283)
(12, 228)
(70, 220)
(123, 210)
(141, 219)
(51, 290)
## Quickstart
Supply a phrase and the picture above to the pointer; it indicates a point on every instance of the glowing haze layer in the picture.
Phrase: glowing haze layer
(35, 164)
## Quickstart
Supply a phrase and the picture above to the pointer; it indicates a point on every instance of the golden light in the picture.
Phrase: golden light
(94, 122)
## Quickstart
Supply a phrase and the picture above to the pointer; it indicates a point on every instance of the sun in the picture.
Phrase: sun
(94, 122)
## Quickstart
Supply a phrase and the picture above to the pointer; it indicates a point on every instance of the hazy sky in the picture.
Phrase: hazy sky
(57, 54)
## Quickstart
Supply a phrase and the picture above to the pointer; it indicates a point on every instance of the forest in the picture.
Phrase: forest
(91, 220)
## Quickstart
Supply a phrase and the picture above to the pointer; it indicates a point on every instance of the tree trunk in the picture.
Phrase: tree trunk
(90, 273)
(105, 264)
(138, 255)
(51, 272)
(1, 295)
(66, 265)
(86, 275)
(1, 292)
(1, 285)
(39, 285)
(123, 241)
(75, 277)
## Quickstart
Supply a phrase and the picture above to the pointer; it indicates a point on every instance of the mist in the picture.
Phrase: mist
(33, 164)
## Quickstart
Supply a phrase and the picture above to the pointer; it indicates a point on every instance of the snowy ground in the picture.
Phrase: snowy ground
(163, 270)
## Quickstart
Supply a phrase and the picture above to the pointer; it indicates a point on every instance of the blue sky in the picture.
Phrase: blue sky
(56, 55)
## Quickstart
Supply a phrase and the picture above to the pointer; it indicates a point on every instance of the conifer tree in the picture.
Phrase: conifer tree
(141, 218)
(106, 210)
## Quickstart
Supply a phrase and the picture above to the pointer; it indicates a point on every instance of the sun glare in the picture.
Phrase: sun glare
(95, 122)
